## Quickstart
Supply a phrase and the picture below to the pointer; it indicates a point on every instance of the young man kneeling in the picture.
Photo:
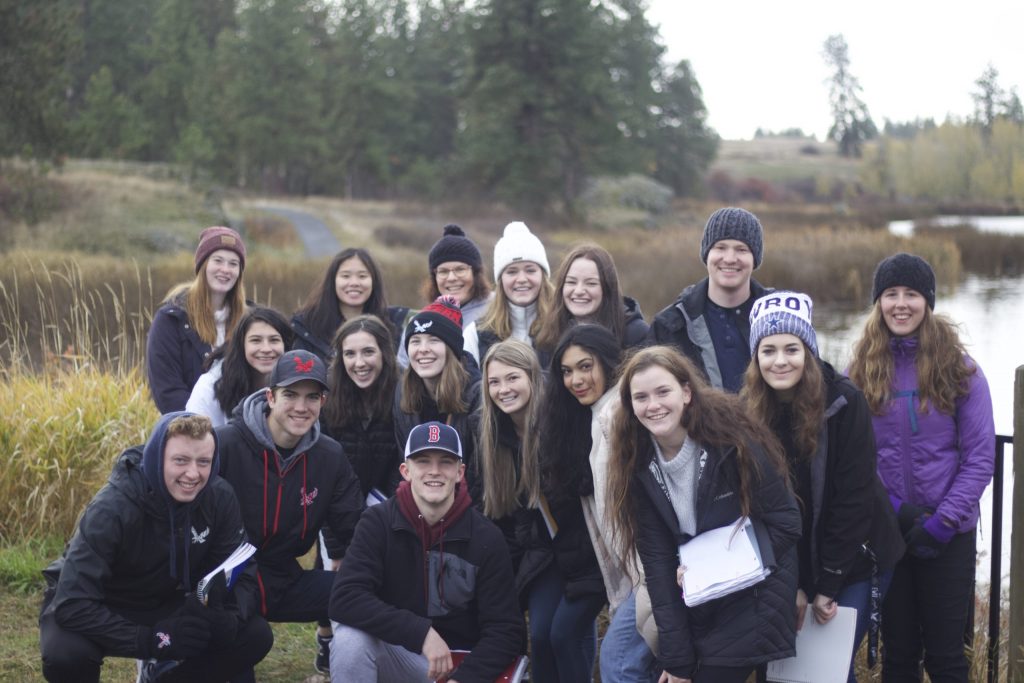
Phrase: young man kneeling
(125, 584)
(425, 574)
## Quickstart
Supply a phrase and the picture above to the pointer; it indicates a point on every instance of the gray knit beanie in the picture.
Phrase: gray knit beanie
(783, 313)
(732, 223)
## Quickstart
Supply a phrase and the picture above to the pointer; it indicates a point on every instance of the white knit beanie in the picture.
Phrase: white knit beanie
(519, 244)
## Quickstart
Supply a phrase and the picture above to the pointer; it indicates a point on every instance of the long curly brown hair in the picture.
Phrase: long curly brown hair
(943, 372)
(713, 418)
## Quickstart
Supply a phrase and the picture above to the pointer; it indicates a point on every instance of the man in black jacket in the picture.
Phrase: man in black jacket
(291, 481)
(708, 322)
(426, 574)
(125, 584)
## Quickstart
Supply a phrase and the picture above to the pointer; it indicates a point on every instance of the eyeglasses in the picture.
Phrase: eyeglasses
(460, 271)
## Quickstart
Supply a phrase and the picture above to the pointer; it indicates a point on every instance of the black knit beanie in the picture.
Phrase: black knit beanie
(905, 270)
(732, 223)
(454, 246)
(443, 319)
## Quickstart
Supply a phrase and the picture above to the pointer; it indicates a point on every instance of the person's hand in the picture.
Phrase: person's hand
(824, 608)
(680, 570)
(182, 635)
(335, 565)
(439, 657)
(801, 608)
(927, 539)
(666, 677)
(909, 514)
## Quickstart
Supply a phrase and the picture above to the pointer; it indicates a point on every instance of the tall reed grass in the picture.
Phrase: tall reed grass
(60, 433)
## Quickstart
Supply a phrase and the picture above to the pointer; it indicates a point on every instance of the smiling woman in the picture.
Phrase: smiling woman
(242, 365)
(442, 383)
(351, 285)
(850, 541)
(524, 295)
(195, 317)
(587, 290)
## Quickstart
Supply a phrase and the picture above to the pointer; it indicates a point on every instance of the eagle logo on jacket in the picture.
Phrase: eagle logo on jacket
(200, 537)
(306, 499)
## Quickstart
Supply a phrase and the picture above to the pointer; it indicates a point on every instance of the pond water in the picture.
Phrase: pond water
(1010, 225)
(990, 312)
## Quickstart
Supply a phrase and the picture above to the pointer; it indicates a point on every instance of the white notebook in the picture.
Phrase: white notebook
(721, 561)
(823, 652)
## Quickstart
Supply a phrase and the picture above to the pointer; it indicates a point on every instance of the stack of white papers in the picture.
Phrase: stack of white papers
(823, 652)
(720, 562)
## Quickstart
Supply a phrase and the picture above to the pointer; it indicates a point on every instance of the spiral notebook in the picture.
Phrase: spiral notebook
(232, 568)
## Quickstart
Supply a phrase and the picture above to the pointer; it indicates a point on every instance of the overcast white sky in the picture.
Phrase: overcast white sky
(759, 63)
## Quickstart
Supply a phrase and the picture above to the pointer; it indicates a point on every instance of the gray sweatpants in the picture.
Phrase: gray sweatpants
(357, 656)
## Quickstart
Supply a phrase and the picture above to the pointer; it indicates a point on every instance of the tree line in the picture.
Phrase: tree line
(501, 100)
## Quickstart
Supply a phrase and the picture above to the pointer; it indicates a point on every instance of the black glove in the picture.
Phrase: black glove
(182, 635)
(908, 516)
(921, 544)
(222, 618)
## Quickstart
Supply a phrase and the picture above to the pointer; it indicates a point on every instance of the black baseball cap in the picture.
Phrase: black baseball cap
(296, 366)
(433, 436)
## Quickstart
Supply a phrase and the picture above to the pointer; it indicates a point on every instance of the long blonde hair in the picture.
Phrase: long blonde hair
(501, 492)
(450, 386)
(196, 295)
(941, 362)
(496, 318)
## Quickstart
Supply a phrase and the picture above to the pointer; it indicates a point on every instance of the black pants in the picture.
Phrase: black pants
(73, 658)
(302, 600)
(926, 610)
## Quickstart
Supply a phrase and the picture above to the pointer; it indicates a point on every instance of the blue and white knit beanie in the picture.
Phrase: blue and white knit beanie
(783, 313)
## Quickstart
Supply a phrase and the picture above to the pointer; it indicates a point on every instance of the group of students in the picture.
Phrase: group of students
(537, 449)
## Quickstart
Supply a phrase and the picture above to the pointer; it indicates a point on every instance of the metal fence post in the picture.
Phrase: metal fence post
(1015, 649)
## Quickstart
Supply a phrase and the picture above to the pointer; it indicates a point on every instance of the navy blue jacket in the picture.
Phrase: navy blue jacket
(174, 357)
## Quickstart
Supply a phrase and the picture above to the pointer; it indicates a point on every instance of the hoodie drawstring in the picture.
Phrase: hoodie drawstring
(265, 474)
(305, 493)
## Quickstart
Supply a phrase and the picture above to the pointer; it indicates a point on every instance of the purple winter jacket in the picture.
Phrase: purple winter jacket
(939, 461)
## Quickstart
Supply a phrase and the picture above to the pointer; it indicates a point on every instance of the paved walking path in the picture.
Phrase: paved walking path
(315, 235)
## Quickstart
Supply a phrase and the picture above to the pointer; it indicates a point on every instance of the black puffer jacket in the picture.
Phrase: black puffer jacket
(682, 324)
(750, 627)
(119, 560)
(849, 505)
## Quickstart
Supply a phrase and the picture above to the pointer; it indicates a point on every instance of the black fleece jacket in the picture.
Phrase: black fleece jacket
(393, 588)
